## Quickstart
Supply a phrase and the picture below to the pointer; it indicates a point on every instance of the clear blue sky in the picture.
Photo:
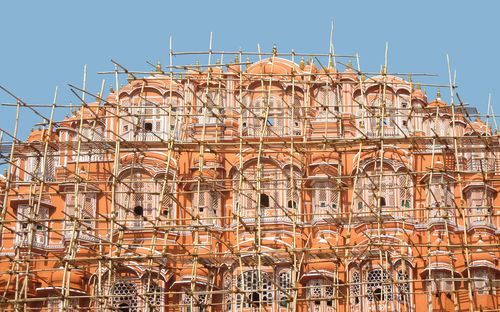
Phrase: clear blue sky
(45, 44)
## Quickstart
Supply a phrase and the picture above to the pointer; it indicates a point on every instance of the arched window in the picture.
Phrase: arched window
(327, 102)
(91, 138)
(479, 200)
(376, 192)
(32, 225)
(382, 114)
(403, 285)
(378, 287)
(257, 289)
(153, 296)
(325, 199)
(125, 297)
(405, 187)
(206, 205)
(482, 281)
(56, 305)
(35, 166)
(440, 196)
(292, 186)
(284, 293)
(270, 198)
(197, 302)
(210, 102)
(228, 286)
(82, 207)
(321, 296)
(137, 198)
(166, 191)
(355, 288)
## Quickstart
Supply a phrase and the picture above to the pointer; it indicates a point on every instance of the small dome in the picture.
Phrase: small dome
(478, 126)
(310, 68)
(419, 95)
(437, 103)
(213, 70)
(233, 68)
(328, 70)
(40, 134)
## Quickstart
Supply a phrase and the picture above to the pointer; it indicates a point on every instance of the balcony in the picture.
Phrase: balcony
(480, 165)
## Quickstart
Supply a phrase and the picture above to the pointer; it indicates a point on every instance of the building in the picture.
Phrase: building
(249, 186)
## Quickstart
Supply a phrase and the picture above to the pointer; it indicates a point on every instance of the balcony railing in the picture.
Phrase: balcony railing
(481, 164)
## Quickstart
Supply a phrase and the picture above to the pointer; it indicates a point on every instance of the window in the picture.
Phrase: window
(481, 279)
(355, 288)
(148, 126)
(82, 207)
(321, 293)
(153, 295)
(403, 286)
(270, 121)
(125, 297)
(264, 201)
(34, 167)
(56, 305)
(257, 289)
(325, 199)
(137, 198)
(32, 228)
(206, 203)
(441, 281)
(382, 202)
(376, 288)
(227, 284)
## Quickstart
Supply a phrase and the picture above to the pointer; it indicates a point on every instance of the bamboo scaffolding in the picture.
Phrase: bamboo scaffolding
(231, 177)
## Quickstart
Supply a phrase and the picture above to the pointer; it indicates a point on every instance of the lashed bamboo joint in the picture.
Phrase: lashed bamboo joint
(275, 187)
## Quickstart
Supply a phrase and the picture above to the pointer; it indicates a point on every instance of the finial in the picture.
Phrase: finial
(302, 63)
(98, 97)
(439, 94)
(218, 62)
(111, 89)
(362, 77)
(350, 64)
(248, 62)
(158, 68)
(496, 130)
(385, 69)
(236, 60)
(478, 117)
(274, 50)
(308, 62)
(5, 172)
(130, 78)
(409, 78)
(121, 86)
(418, 86)
(330, 61)
(198, 65)
(381, 68)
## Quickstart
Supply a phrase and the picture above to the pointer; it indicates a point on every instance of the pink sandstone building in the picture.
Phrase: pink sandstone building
(265, 186)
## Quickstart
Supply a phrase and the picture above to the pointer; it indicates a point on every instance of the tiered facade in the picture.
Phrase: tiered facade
(271, 186)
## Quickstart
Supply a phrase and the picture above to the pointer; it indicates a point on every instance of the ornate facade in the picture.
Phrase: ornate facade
(275, 187)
